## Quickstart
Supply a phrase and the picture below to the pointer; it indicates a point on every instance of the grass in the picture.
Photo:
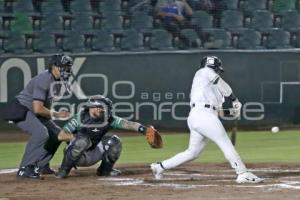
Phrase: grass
(253, 147)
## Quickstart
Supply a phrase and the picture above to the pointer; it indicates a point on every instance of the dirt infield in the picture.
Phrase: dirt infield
(192, 181)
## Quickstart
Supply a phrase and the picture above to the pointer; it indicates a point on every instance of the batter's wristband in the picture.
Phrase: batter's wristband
(232, 97)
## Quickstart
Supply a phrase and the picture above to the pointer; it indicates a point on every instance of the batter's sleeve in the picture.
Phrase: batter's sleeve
(212, 76)
(223, 87)
(72, 125)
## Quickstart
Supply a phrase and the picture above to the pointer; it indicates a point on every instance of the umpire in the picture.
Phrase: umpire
(30, 110)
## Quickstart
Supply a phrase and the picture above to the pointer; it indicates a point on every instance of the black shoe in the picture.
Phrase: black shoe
(62, 173)
(46, 170)
(28, 172)
(113, 172)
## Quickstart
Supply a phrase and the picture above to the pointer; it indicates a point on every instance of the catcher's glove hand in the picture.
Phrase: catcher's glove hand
(153, 138)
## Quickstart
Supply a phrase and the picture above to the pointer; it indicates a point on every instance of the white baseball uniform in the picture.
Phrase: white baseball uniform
(207, 96)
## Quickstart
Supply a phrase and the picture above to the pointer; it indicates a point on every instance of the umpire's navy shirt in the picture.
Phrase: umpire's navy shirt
(39, 88)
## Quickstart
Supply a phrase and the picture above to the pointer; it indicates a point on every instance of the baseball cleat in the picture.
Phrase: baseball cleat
(46, 170)
(28, 172)
(115, 172)
(62, 173)
(157, 170)
(248, 177)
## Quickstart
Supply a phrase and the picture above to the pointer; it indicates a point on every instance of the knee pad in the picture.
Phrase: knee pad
(73, 152)
(79, 145)
(113, 148)
(112, 151)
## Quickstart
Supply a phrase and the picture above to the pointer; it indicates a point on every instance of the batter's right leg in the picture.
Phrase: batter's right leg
(216, 132)
(196, 145)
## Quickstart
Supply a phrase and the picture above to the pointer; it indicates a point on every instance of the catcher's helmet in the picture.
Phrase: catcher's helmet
(213, 62)
(100, 101)
(64, 62)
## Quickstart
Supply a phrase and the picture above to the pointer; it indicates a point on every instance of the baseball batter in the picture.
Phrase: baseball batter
(30, 110)
(207, 96)
(88, 141)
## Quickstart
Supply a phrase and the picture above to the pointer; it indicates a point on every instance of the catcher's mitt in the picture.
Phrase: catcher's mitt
(153, 138)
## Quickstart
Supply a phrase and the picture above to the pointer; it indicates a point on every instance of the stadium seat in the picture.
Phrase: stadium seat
(191, 38)
(282, 6)
(253, 5)
(29, 11)
(24, 7)
(37, 5)
(278, 39)
(220, 35)
(2, 41)
(202, 19)
(52, 23)
(21, 23)
(66, 4)
(262, 20)
(139, 5)
(161, 40)
(52, 7)
(81, 6)
(249, 39)
(74, 42)
(109, 6)
(242, 4)
(232, 20)
(103, 41)
(132, 40)
(45, 43)
(2, 8)
(82, 22)
(142, 22)
(291, 21)
(95, 5)
(296, 40)
(231, 4)
(7, 21)
(16, 43)
(8, 6)
(113, 23)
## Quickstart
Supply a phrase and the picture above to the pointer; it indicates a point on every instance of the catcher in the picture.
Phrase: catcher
(88, 143)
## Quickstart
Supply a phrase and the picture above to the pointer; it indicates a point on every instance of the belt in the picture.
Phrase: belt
(206, 106)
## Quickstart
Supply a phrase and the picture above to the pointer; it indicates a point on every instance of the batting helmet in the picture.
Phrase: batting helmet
(100, 101)
(213, 62)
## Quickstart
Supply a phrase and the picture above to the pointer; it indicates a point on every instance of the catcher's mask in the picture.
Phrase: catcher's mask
(102, 102)
(213, 62)
(65, 63)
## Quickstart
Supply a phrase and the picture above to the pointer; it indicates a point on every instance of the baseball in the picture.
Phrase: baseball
(275, 129)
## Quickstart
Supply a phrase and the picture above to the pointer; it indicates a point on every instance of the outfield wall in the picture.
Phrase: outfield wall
(154, 87)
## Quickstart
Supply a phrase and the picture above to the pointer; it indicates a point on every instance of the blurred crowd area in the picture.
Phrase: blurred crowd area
(47, 26)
